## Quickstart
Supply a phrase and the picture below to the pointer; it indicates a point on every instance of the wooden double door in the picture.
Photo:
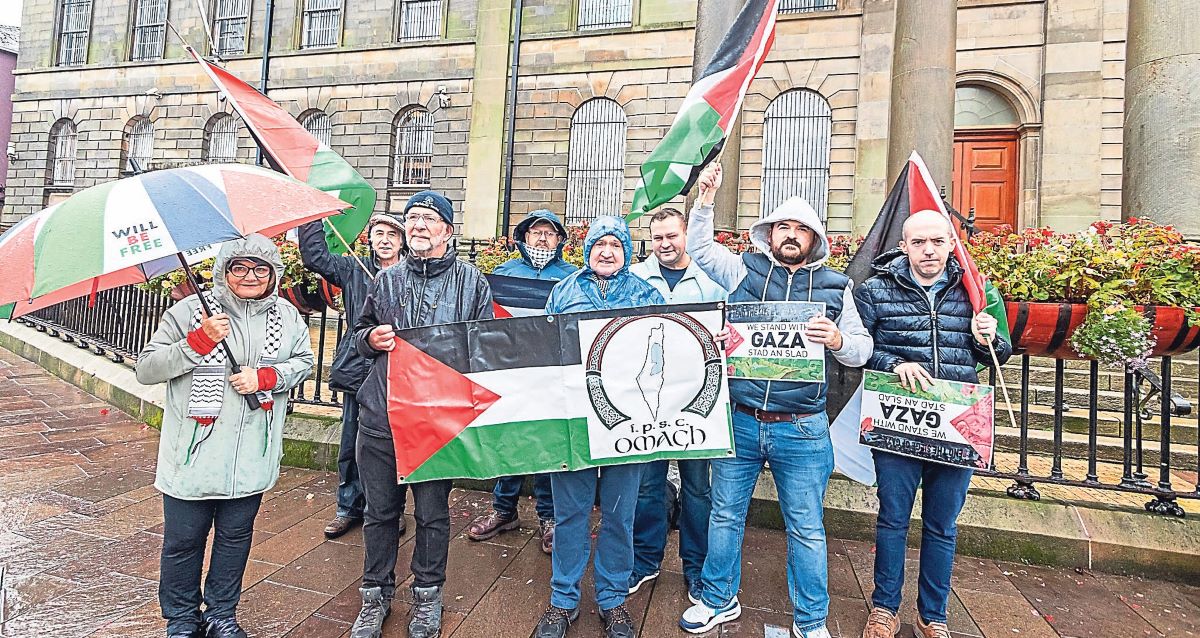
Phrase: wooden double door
(986, 176)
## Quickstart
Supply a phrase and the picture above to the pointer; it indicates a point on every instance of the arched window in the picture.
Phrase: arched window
(596, 160)
(139, 145)
(317, 123)
(221, 142)
(978, 106)
(796, 135)
(412, 154)
(62, 153)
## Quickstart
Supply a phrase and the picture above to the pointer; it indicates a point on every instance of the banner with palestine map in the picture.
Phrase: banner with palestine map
(535, 394)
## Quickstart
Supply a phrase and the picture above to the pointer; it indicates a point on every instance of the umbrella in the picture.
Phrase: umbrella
(132, 230)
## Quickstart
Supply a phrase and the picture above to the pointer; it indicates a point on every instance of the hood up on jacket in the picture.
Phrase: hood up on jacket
(607, 225)
(253, 245)
(540, 215)
(795, 209)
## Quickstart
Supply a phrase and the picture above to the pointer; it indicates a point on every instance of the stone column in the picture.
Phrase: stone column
(485, 150)
(871, 128)
(922, 100)
(713, 20)
(1162, 114)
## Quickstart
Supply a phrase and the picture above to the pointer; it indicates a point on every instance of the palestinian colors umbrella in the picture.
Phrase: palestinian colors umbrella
(709, 110)
(132, 230)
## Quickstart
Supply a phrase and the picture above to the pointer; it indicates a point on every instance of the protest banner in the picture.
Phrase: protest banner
(534, 394)
(767, 342)
(950, 422)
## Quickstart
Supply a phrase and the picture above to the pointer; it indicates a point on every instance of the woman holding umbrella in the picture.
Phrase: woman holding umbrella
(218, 454)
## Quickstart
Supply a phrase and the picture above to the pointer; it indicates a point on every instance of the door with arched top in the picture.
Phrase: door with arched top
(986, 157)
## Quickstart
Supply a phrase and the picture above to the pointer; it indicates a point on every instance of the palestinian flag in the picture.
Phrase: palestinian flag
(527, 395)
(292, 150)
(709, 110)
(519, 296)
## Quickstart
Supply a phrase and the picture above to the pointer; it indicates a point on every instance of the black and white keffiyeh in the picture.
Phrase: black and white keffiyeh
(208, 378)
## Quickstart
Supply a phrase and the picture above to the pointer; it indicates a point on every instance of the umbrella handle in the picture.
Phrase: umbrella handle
(251, 399)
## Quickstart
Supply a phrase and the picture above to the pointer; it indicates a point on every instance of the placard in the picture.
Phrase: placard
(767, 342)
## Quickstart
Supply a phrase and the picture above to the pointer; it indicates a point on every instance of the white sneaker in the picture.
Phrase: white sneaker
(701, 618)
(817, 632)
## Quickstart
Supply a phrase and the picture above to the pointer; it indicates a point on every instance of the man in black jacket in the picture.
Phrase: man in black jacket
(429, 286)
(924, 327)
(385, 234)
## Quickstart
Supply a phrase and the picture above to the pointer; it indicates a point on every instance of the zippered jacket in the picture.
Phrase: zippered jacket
(896, 311)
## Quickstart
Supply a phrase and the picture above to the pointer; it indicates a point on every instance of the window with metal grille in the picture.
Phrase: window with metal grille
(806, 6)
(796, 135)
(317, 123)
(596, 160)
(75, 21)
(222, 140)
(603, 14)
(413, 149)
(420, 20)
(230, 21)
(62, 153)
(320, 23)
(139, 145)
(149, 30)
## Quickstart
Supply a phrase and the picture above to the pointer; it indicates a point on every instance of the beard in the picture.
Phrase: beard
(790, 259)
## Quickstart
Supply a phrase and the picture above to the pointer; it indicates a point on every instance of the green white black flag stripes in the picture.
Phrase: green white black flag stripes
(561, 392)
(709, 110)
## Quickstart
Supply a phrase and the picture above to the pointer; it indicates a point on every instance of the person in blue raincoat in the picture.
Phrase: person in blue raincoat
(605, 283)
(540, 239)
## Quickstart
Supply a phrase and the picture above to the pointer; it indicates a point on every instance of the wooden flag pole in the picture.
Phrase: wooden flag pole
(1003, 386)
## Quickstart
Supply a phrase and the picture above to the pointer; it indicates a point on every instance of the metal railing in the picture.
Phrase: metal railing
(605, 14)
(807, 6)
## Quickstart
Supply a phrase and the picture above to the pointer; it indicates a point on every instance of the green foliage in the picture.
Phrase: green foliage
(778, 369)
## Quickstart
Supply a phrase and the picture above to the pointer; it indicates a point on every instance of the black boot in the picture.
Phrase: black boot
(224, 628)
(555, 622)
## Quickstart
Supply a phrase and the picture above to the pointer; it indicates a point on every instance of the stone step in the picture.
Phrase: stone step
(1108, 423)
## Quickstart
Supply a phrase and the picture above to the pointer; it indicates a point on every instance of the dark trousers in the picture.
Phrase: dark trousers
(185, 532)
(650, 523)
(507, 493)
(381, 523)
(350, 500)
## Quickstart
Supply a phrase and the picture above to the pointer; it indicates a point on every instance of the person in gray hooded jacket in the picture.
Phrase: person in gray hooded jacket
(217, 455)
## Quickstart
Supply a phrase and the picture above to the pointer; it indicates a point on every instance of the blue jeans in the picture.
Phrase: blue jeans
(508, 490)
(801, 459)
(350, 499)
(650, 523)
(943, 491)
(574, 496)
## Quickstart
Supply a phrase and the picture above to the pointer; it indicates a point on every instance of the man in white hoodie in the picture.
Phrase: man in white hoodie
(781, 423)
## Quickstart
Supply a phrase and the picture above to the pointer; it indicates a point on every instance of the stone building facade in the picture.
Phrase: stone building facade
(415, 92)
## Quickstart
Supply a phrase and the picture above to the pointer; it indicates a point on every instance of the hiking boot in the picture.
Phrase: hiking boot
(933, 629)
(815, 632)
(636, 581)
(426, 613)
(700, 618)
(882, 623)
(375, 610)
(546, 531)
(224, 628)
(617, 622)
(340, 525)
(555, 622)
(489, 525)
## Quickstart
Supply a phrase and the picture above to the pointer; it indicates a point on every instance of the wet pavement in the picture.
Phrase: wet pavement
(80, 533)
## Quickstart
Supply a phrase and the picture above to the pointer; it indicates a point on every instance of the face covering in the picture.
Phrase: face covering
(539, 257)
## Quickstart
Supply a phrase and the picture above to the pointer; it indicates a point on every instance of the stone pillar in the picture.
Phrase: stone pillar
(922, 99)
(713, 20)
(1162, 114)
(485, 150)
(871, 127)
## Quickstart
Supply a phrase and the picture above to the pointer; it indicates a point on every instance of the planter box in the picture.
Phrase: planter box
(1045, 329)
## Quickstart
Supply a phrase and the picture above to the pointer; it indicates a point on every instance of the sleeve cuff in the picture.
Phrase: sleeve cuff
(200, 342)
(268, 378)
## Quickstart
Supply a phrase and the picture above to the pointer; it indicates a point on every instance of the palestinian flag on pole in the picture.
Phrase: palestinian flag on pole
(292, 150)
(527, 395)
(519, 296)
(709, 110)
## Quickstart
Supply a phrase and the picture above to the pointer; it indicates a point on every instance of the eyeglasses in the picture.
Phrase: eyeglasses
(428, 220)
(241, 271)
(542, 234)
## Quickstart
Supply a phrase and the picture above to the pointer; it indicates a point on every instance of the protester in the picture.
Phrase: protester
(925, 329)
(216, 456)
(605, 283)
(781, 423)
(680, 280)
(539, 239)
(385, 235)
(429, 286)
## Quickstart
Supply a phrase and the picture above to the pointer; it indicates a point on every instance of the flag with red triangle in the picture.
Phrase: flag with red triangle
(519, 296)
(535, 394)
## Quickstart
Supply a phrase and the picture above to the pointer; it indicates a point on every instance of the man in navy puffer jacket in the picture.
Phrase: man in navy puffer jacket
(924, 328)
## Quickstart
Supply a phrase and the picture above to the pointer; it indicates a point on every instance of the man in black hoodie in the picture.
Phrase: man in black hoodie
(429, 286)
(385, 234)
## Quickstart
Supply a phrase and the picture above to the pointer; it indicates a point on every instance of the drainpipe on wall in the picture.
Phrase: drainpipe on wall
(265, 72)
(512, 118)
